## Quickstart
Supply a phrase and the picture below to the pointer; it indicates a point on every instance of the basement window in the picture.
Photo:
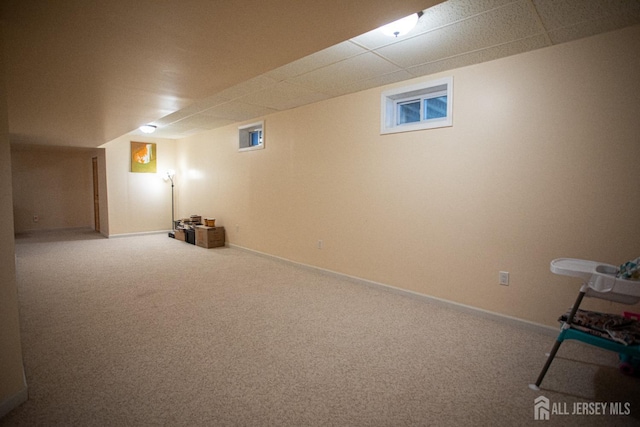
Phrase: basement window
(251, 137)
(422, 106)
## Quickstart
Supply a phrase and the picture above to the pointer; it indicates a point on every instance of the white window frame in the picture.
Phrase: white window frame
(390, 99)
(244, 136)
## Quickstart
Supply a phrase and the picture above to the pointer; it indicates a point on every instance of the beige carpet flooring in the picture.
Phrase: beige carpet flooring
(148, 330)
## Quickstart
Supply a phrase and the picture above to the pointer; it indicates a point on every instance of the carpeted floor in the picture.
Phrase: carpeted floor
(148, 330)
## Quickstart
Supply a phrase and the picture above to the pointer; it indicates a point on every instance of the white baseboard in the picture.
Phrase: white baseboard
(142, 233)
(14, 401)
(533, 326)
(52, 230)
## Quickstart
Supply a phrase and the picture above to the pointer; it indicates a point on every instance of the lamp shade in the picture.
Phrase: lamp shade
(148, 128)
(401, 26)
(169, 174)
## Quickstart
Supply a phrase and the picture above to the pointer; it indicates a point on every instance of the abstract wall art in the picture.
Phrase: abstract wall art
(143, 157)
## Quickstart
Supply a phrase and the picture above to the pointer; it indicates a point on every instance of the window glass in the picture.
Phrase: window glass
(435, 108)
(255, 138)
(409, 112)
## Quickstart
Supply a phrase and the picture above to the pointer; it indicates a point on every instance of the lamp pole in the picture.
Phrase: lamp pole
(173, 223)
(170, 174)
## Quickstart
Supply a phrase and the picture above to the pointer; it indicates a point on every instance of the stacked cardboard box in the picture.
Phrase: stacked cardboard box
(184, 229)
(209, 237)
(192, 231)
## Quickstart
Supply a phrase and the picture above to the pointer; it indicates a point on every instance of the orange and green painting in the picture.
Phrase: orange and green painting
(143, 157)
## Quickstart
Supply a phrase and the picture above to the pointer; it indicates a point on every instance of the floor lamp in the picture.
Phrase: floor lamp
(169, 175)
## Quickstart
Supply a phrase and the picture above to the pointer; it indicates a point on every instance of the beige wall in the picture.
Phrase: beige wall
(13, 389)
(54, 183)
(102, 192)
(541, 163)
(138, 202)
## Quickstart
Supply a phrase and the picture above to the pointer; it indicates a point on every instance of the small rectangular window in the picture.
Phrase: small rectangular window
(251, 137)
(422, 106)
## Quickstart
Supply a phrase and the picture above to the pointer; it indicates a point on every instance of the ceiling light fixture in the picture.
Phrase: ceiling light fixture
(148, 128)
(401, 26)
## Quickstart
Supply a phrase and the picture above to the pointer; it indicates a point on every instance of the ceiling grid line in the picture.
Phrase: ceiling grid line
(218, 70)
(539, 19)
(322, 80)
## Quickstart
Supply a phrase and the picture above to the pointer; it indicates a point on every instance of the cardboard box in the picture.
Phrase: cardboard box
(209, 237)
(180, 235)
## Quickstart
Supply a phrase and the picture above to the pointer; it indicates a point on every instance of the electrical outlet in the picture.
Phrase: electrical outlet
(237, 228)
(504, 278)
(320, 244)
(36, 218)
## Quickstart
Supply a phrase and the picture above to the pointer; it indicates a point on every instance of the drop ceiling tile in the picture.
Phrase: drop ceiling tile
(591, 28)
(340, 75)
(435, 17)
(211, 101)
(171, 129)
(283, 96)
(192, 109)
(173, 117)
(196, 131)
(479, 56)
(237, 111)
(174, 127)
(506, 24)
(319, 59)
(173, 132)
(202, 121)
(257, 83)
(455, 10)
(397, 76)
(558, 14)
(189, 126)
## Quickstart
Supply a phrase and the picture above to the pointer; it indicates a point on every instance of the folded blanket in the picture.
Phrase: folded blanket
(614, 327)
(630, 270)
